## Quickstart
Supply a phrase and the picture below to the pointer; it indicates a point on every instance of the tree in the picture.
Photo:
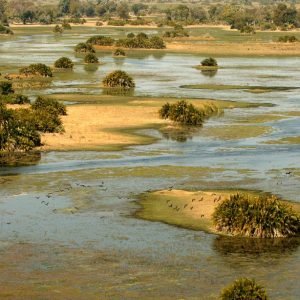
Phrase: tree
(64, 63)
(137, 7)
(118, 79)
(285, 15)
(36, 70)
(209, 62)
(64, 6)
(123, 10)
(91, 59)
(6, 88)
(27, 16)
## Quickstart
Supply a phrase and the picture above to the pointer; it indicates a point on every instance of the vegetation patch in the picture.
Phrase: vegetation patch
(84, 48)
(5, 30)
(64, 63)
(287, 39)
(119, 52)
(101, 40)
(36, 70)
(91, 58)
(186, 113)
(291, 140)
(118, 79)
(260, 217)
(142, 41)
(221, 87)
(244, 289)
(208, 64)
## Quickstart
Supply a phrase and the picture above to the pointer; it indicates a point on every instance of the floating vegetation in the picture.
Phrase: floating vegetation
(261, 217)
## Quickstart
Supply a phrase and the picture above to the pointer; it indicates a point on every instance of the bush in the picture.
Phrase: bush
(64, 63)
(75, 20)
(91, 59)
(248, 29)
(16, 134)
(6, 88)
(142, 41)
(66, 26)
(58, 29)
(119, 79)
(84, 48)
(209, 62)
(177, 32)
(185, 113)
(36, 70)
(287, 39)
(5, 30)
(14, 99)
(260, 217)
(50, 105)
(119, 52)
(131, 35)
(100, 40)
(139, 21)
(116, 23)
(244, 289)
(99, 23)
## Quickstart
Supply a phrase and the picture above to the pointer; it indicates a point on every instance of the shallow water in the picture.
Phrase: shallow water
(103, 219)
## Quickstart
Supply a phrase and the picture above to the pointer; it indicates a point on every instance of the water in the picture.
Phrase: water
(104, 222)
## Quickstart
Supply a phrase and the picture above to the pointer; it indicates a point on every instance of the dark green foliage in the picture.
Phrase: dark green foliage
(247, 29)
(186, 113)
(58, 29)
(209, 62)
(36, 70)
(100, 40)
(119, 79)
(244, 289)
(119, 52)
(177, 32)
(16, 134)
(66, 26)
(260, 217)
(91, 59)
(6, 88)
(51, 105)
(142, 41)
(130, 35)
(287, 39)
(5, 30)
(14, 99)
(84, 48)
(64, 63)
(116, 22)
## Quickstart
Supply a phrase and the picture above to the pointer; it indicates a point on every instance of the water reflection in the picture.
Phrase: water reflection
(91, 68)
(209, 73)
(179, 134)
(19, 159)
(117, 92)
(251, 246)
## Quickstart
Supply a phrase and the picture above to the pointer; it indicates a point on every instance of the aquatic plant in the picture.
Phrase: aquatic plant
(260, 217)
(209, 62)
(119, 52)
(186, 113)
(101, 40)
(64, 63)
(119, 79)
(84, 48)
(36, 70)
(244, 289)
(6, 88)
(91, 58)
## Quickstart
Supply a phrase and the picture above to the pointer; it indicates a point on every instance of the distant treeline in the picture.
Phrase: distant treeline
(264, 14)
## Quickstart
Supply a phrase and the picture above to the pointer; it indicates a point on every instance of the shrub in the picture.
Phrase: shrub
(139, 21)
(116, 22)
(119, 79)
(75, 20)
(119, 52)
(287, 39)
(84, 48)
(186, 113)
(248, 29)
(66, 26)
(244, 289)
(16, 134)
(37, 70)
(58, 29)
(5, 30)
(261, 217)
(100, 40)
(14, 99)
(64, 63)
(177, 32)
(130, 35)
(48, 104)
(142, 41)
(91, 59)
(6, 88)
(99, 23)
(209, 62)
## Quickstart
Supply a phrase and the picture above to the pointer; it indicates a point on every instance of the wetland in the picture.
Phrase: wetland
(72, 218)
